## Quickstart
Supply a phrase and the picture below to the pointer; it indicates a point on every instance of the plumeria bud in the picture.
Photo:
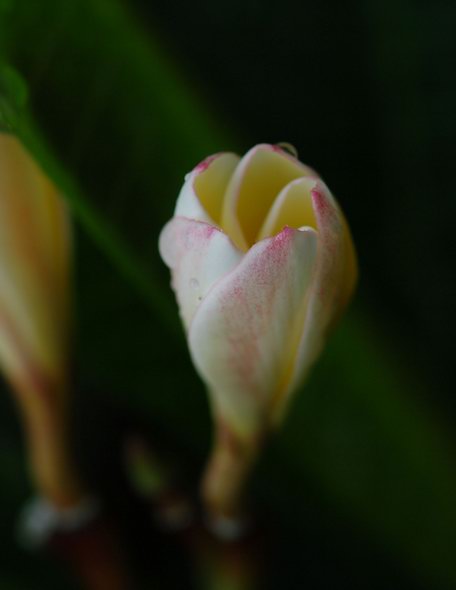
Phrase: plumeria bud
(262, 265)
(34, 265)
(35, 248)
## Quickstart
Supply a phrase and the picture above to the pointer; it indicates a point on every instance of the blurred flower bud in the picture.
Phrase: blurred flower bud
(34, 272)
(35, 248)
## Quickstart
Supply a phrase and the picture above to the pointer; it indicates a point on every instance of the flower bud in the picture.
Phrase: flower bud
(34, 272)
(35, 248)
(262, 265)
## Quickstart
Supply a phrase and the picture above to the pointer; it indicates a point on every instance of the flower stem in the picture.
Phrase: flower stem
(222, 565)
(226, 476)
(46, 429)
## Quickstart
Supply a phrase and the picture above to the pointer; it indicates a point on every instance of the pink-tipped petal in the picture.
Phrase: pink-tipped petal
(201, 197)
(326, 294)
(245, 334)
(198, 255)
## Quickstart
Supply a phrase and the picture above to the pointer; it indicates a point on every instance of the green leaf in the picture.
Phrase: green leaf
(13, 97)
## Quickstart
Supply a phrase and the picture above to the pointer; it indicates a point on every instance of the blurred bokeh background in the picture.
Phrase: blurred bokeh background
(123, 99)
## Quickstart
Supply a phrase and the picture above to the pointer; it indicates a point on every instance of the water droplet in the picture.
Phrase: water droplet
(194, 284)
(287, 147)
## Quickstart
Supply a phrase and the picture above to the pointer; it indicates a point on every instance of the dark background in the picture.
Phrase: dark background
(358, 490)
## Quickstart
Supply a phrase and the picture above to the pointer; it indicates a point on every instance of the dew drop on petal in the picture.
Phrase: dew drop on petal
(289, 148)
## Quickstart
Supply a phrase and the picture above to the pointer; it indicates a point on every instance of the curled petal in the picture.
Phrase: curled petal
(293, 207)
(256, 182)
(198, 254)
(245, 334)
(201, 197)
(333, 282)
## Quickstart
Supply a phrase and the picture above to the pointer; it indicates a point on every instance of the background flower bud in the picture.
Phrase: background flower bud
(34, 272)
(35, 248)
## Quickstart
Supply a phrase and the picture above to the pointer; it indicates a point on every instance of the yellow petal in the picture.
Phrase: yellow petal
(260, 176)
(202, 195)
(210, 182)
(293, 207)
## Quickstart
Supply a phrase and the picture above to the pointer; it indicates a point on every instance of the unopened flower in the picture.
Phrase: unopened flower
(35, 263)
(262, 265)
(34, 272)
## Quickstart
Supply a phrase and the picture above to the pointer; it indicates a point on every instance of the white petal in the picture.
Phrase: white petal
(245, 334)
(201, 197)
(198, 254)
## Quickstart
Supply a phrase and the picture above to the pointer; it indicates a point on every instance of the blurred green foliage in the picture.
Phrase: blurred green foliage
(362, 465)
